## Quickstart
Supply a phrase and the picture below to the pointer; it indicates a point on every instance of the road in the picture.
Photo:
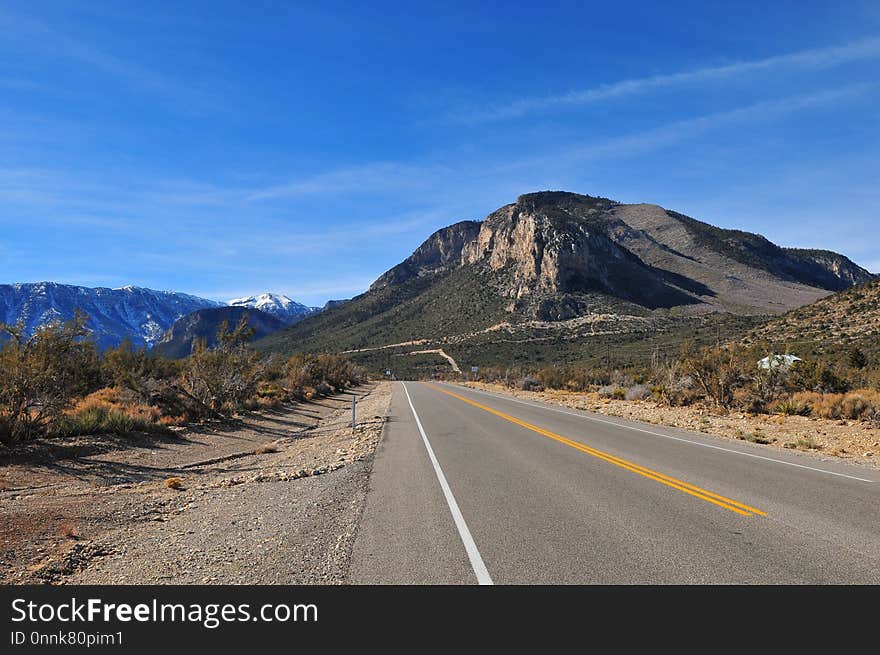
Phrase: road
(470, 487)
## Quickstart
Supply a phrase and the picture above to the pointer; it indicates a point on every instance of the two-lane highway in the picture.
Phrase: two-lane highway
(471, 487)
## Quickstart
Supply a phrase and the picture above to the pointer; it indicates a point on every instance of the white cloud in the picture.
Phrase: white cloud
(814, 59)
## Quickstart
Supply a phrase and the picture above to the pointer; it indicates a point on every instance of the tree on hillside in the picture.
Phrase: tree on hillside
(857, 358)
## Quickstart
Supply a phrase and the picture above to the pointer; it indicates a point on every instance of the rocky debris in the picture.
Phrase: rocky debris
(75, 559)
(278, 476)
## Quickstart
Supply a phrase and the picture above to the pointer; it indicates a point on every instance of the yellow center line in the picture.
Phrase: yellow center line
(669, 481)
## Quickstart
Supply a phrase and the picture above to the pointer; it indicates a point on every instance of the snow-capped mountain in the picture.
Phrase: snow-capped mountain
(142, 315)
(278, 305)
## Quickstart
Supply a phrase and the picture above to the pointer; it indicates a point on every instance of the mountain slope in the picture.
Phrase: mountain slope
(833, 325)
(203, 324)
(141, 315)
(558, 272)
(278, 305)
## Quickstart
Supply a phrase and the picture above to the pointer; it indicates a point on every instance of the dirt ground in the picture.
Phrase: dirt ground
(855, 441)
(98, 510)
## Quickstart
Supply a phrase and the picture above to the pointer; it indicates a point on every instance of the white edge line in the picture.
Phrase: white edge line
(470, 546)
(666, 436)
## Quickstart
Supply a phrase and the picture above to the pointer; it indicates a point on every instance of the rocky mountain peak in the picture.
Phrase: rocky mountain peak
(439, 251)
(277, 305)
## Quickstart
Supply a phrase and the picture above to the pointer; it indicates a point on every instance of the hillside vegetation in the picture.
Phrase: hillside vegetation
(836, 328)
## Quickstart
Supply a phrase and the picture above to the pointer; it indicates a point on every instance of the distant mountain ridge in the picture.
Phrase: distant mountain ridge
(178, 341)
(141, 315)
(557, 270)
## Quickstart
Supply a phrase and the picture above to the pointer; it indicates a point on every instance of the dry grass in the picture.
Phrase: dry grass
(174, 483)
(118, 401)
(113, 399)
(266, 449)
(859, 405)
(69, 530)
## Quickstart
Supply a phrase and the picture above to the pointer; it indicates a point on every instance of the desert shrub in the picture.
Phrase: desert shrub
(808, 443)
(637, 392)
(816, 375)
(612, 391)
(131, 368)
(225, 377)
(552, 378)
(530, 383)
(857, 358)
(99, 420)
(718, 372)
(118, 400)
(791, 407)
(41, 374)
(860, 405)
(671, 386)
(621, 378)
(330, 372)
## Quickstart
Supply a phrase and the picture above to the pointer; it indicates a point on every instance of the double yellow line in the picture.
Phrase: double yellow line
(669, 481)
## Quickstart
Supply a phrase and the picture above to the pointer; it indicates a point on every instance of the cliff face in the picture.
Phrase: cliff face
(826, 269)
(555, 243)
(439, 251)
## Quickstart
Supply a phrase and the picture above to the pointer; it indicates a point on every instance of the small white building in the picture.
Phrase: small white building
(778, 362)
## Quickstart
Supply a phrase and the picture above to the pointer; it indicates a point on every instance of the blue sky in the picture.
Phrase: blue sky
(231, 148)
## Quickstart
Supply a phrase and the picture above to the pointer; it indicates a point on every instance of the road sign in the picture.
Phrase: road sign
(475, 369)
(388, 372)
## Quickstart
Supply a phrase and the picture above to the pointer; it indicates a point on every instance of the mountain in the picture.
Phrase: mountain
(330, 304)
(141, 315)
(831, 326)
(277, 305)
(560, 277)
(203, 324)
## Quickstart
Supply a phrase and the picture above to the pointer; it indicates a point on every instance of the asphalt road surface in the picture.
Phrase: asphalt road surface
(470, 487)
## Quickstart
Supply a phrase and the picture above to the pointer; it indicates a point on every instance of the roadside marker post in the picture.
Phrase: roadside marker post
(353, 412)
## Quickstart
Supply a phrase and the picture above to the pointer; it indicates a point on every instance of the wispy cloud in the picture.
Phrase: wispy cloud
(819, 58)
(434, 180)
(34, 36)
(372, 176)
(670, 133)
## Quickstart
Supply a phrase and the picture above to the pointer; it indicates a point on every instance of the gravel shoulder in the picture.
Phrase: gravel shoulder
(102, 513)
(853, 441)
